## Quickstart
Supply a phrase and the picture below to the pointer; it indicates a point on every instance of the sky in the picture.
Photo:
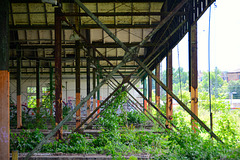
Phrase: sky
(224, 39)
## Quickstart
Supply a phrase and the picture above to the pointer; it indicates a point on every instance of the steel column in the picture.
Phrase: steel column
(149, 92)
(51, 89)
(78, 82)
(169, 105)
(4, 81)
(157, 89)
(38, 88)
(98, 93)
(89, 50)
(145, 93)
(77, 68)
(58, 72)
(194, 75)
(94, 81)
(19, 103)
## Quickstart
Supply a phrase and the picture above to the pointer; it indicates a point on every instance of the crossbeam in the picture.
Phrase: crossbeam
(168, 17)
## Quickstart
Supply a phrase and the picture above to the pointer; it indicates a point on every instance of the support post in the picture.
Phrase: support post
(38, 88)
(94, 81)
(194, 75)
(78, 66)
(4, 81)
(98, 94)
(157, 89)
(19, 103)
(88, 75)
(169, 105)
(78, 82)
(51, 89)
(149, 92)
(58, 72)
(145, 93)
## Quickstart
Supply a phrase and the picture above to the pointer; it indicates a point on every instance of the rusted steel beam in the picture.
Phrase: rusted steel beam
(78, 82)
(82, 26)
(84, 1)
(178, 100)
(94, 81)
(98, 93)
(89, 52)
(77, 68)
(149, 92)
(38, 88)
(169, 104)
(19, 103)
(58, 73)
(116, 13)
(51, 90)
(145, 93)
(157, 89)
(4, 81)
(194, 75)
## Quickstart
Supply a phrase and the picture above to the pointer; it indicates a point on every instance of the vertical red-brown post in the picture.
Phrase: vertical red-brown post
(51, 89)
(78, 81)
(149, 92)
(169, 105)
(19, 102)
(157, 86)
(38, 87)
(58, 72)
(98, 92)
(194, 75)
(4, 81)
(94, 82)
(145, 94)
(78, 65)
(88, 76)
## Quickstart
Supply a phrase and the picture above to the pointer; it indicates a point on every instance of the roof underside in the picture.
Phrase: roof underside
(32, 31)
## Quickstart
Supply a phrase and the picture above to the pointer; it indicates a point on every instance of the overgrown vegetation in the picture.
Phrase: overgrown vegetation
(119, 136)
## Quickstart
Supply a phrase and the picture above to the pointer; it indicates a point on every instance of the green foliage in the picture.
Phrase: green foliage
(218, 86)
(134, 117)
(109, 119)
(217, 104)
(26, 140)
(118, 138)
(234, 86)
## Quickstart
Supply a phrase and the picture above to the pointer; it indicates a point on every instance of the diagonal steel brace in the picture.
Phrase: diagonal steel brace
(178, 100)
(179, 6)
